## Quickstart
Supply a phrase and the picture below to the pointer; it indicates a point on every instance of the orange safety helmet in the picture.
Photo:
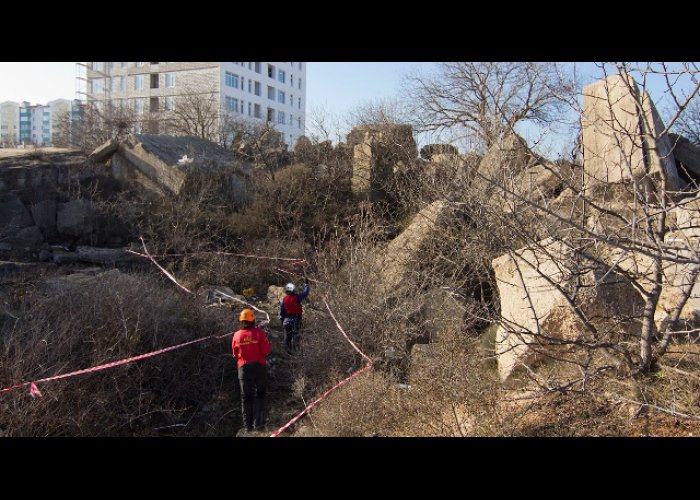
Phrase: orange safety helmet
(247, 315)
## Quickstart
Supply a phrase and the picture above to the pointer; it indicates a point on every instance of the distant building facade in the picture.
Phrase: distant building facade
(33, 124)
(259, 91)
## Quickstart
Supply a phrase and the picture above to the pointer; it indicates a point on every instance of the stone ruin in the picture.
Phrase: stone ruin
(379, 152)
(621, 156)
(162, 164)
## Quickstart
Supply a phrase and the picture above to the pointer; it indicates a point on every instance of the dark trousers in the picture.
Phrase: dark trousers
(253, 379)
(292, 324)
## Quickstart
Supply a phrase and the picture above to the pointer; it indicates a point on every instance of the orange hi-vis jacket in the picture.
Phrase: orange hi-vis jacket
(249, 345)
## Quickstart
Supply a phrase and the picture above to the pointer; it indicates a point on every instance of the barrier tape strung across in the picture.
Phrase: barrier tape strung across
(293, 260)
(299, 275)
(34, 391)
(147, 255)
(336, 386)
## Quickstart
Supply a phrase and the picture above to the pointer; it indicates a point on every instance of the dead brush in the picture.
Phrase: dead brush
(75, 324)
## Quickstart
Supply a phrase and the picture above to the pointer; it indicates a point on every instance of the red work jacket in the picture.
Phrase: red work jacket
(250, 344)
(291, 304)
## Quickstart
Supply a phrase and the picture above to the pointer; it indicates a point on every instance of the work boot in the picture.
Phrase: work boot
(258, 413)
(248, 414)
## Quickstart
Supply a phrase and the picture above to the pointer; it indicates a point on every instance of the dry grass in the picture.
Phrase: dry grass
(67, 326)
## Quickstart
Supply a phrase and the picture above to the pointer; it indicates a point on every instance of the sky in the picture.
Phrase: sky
(336, 86)
(333, 87)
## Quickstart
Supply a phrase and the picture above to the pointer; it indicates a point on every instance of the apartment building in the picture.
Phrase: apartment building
(9, 123)
(26, 123)
(266, 91)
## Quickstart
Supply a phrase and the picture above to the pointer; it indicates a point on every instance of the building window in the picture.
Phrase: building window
(299, 65)
(138, 106)
(270, 71)
(169, 103)
(154, 105)
(250, 85)
(281, 75)
(299, 83)
(122, 84)
(231, 103)
(154, 80)
(250, 107)
(97, 85)
(138, 82)
(97, 66)
(257, 88)
(242, 83)
(299, 103)
(256, 110)
(170, 80)
(271, 93)
(291, 119)
(257, 67)
(232, 80)
(280, 117)
(250, 65)
(242, 106)
(270, 115)
(291, 80)
(299, 122)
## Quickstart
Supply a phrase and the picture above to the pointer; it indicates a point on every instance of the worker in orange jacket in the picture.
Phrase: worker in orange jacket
(250, 348)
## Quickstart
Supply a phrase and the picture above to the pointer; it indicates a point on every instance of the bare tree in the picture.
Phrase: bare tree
(196, 113)
(486, 98)
(94, 124)
(688, 123)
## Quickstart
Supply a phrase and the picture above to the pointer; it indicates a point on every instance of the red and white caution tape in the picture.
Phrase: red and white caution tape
(293, 260)
(34, 391)
(147, 255)
(297, 274)
(336, 386)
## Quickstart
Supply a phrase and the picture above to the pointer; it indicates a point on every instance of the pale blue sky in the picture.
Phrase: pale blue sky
(339, 86)
(335, 87)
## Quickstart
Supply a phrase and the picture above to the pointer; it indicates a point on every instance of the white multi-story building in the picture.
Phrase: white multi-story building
(9, 123)
(265, 91)
(24, 123)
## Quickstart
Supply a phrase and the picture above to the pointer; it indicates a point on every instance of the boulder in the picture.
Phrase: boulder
(621, 130)
(536, 315)
(75, 218)
(13, 214)
(379, 151)
(427, 152)
(396, 264)
(28, 238)
(503, 161)
(105, 256)
(275, 294)
(687, 155)
(44, 214)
